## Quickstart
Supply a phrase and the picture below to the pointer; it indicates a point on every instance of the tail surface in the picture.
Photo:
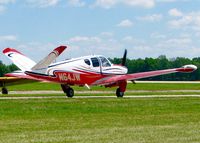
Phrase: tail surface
(19, 59)
(43, 64)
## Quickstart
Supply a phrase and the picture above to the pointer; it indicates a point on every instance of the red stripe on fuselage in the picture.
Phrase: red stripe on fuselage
(69, 77)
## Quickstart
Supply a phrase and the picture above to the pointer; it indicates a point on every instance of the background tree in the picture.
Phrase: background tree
(6, 68)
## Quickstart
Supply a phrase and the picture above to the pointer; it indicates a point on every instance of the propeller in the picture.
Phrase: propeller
(124, 58)
(124, 62)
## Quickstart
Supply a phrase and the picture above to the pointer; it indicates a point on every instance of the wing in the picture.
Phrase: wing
(134, 76)
(21, 75)
(17, 77)
(7, 81)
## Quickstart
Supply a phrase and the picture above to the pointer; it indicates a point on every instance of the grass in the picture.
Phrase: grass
(100, 120)
(138, 86)
(103, 94)
(138, 120)
(132, 89)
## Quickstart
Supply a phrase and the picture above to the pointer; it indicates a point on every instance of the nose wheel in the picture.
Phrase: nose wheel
(67, 90)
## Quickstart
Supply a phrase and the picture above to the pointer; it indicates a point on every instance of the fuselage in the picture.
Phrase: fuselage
(84, 70)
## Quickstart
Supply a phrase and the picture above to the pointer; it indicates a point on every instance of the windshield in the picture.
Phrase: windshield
(105, 62)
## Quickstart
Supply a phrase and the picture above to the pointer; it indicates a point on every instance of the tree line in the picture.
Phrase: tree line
(150, 64)
(142, 65)
(7, 68)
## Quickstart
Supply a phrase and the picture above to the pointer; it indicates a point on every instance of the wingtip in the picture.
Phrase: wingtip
(188, 68)
(60, 49)
(193, 67)
(7, 50)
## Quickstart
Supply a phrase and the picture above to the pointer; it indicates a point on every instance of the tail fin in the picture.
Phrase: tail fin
(43, 64)
(20, 60)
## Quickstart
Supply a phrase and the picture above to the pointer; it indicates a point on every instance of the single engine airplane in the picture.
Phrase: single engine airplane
(83, 71)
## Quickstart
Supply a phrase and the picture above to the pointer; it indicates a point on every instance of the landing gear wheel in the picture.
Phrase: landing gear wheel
(4, 90)
(67, 90)
(119, 93)
(70, 92)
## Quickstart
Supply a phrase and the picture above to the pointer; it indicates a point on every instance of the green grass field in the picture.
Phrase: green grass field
(132, 89)
(100, 120)
(128, 120)
(138, 86)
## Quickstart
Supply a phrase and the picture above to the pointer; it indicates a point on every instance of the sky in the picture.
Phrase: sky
(146, 28)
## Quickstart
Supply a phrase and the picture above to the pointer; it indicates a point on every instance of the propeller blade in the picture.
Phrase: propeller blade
(124, 58)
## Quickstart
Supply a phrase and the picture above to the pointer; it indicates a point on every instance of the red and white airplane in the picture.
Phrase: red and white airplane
(83, 71)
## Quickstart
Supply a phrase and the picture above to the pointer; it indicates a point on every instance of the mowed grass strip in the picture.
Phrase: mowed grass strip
(102, 94)
(100, 120)
(138, 86)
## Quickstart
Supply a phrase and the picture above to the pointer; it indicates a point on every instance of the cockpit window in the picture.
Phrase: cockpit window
(105, 62)
(95, 62)
(87, 62)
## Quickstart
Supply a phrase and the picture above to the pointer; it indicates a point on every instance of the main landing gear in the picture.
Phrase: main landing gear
(119, 93)
(122, 88)
(68, 90)
(4, 90)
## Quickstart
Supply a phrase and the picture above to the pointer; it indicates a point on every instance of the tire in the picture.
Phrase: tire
(4, 90)
(119, 93)
(70, 92)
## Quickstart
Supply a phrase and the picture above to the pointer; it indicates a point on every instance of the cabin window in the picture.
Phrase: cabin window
(105, 62)
(87, 62)
(95, 62)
